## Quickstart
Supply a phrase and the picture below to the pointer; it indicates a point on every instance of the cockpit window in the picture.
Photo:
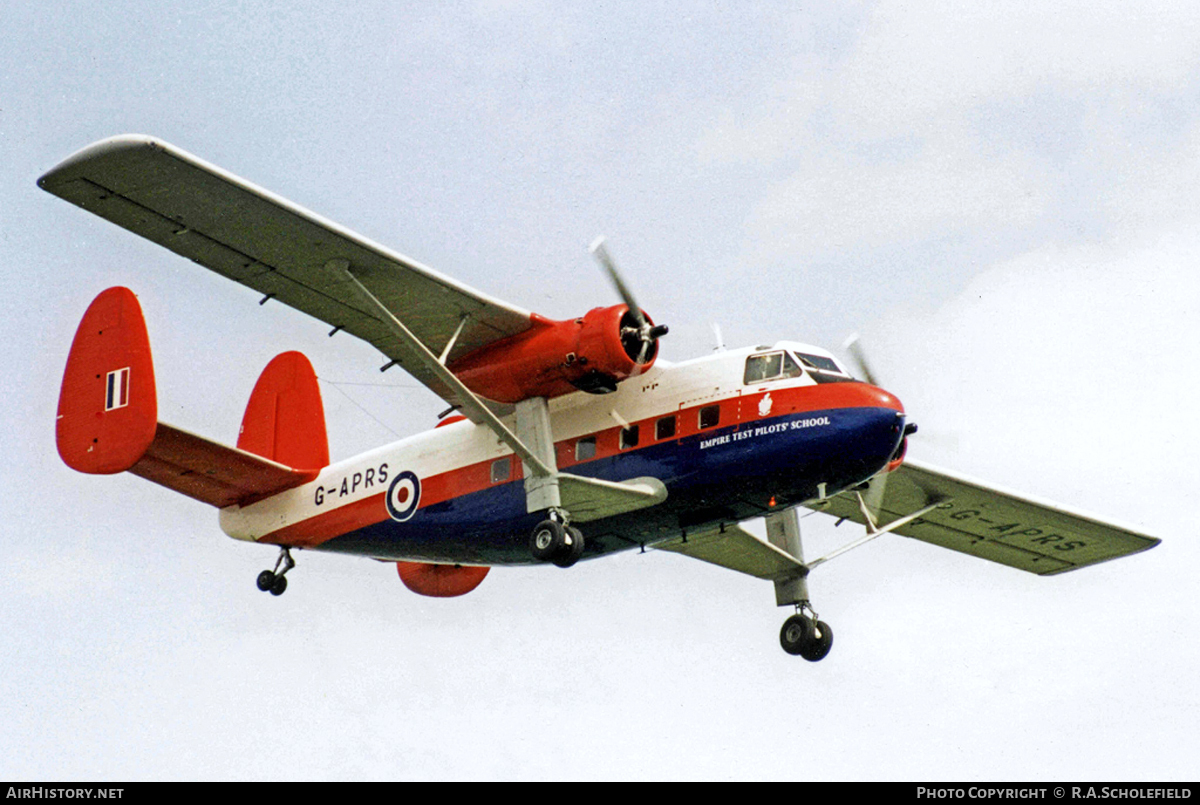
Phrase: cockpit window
(824, 370)
(790, 367)
(773, 366)
(762, 367)
(820, 362)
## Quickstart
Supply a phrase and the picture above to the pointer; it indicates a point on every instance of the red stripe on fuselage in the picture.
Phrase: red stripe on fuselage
(738, 410)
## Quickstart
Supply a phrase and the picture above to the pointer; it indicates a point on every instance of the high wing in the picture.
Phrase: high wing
(992, 523)
(281, 250)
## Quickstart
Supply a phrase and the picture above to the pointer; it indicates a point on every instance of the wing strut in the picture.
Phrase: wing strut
(545, 487)
(467, 398)
(873, 530)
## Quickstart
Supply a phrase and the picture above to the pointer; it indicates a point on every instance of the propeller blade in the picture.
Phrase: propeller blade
(600, 252)
(854, 347)
(874, 494)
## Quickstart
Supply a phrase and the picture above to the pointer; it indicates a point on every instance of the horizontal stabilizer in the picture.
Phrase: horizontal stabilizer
(992, 523)
(211, 472)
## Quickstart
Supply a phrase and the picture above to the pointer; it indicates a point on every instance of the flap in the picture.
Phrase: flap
(993, 523)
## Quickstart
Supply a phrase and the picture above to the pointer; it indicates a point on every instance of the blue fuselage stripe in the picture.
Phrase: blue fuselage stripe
(720, 475)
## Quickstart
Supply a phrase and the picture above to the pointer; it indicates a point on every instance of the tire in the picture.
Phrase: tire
(796, 634)
(570, 553)
(819, 644)
(265, 580)
(548, 541)
(279, 585)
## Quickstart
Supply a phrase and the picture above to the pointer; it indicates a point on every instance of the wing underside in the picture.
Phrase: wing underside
(279, 249)
(992, 523)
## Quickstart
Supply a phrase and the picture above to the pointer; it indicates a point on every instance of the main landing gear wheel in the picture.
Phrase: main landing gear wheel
(553, 542)
(574, 548)
(806, 637)
(275, 581)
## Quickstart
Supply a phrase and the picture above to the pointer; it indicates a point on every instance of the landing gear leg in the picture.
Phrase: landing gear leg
(803, 634)
(275, 581)
(553, 540)
(806, 635)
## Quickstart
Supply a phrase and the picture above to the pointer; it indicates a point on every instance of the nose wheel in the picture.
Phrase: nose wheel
(806, 636)
(275, 581)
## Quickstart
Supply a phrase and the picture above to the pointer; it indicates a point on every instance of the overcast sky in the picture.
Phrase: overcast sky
(1001, 201)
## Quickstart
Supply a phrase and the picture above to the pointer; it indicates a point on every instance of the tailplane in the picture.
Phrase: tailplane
(108, 417)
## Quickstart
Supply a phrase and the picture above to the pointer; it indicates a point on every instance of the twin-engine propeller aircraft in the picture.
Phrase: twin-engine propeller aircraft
(569, 439)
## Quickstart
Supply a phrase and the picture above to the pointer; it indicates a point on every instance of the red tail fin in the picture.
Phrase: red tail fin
(108, 417)
(285, 420)
(108, 407)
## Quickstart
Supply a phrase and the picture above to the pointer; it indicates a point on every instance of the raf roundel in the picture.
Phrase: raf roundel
(404, 495)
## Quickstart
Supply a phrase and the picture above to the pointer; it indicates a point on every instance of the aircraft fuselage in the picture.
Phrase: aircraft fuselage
(726, 450)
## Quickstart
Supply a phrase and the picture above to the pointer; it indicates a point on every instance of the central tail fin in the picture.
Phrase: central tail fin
(108, 417)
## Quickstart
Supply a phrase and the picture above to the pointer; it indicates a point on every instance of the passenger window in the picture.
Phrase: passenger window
(501, 469)
(710, 415)
(762, 367)
(664, 428)
(629, 437)
(585, 448)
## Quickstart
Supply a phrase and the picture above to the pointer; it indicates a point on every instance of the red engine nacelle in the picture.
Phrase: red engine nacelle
(557, 357)
(440, 581)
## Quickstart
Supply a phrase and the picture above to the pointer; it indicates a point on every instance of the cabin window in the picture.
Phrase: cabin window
(664, 428)
(501, 469)
(710, 415)
(629, 437)
(585, 448)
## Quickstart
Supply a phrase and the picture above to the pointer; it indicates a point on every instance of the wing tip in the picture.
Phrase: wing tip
(69, 168)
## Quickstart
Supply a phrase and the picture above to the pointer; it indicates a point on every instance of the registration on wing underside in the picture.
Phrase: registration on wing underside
(994, 524)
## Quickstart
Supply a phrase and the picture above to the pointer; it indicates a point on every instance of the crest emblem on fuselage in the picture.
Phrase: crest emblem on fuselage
(764, 405)
(404, 495)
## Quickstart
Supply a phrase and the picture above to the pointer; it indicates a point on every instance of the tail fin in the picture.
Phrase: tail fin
(108, 417)
(285, 419)
(108, 407)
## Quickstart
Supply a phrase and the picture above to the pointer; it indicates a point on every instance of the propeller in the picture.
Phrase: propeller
(873, 495)
(855, 349)
(642, 329)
